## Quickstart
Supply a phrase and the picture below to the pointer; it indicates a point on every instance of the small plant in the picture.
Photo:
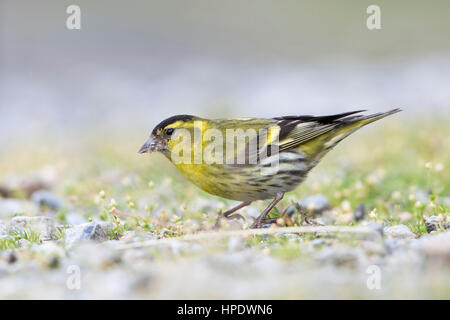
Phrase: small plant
(28, 235)
(8, 244)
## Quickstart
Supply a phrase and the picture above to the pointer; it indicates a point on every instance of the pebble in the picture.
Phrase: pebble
(45, 198)
(44, 226)
(399, 231)
(5, 192)
(360, 212)
(11, 257)
(316, 203)
(432, 224)
(290, 211)
(94, 231)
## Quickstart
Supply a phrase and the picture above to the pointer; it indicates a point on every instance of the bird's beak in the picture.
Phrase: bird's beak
(151, 145)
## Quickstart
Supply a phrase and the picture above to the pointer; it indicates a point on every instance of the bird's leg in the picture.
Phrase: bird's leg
(227, 213)
(305, 216)
(259, 220)
(271, 220)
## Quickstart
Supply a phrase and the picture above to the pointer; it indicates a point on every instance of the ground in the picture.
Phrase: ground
(87, 217)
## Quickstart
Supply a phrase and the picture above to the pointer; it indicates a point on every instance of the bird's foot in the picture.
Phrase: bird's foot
(311, 222)
(263, 223)
(304, 214)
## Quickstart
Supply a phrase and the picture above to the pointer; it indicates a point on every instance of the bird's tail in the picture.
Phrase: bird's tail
(346, 126)
(359, 121)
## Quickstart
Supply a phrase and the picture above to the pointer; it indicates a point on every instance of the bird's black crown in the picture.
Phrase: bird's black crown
(165, 123)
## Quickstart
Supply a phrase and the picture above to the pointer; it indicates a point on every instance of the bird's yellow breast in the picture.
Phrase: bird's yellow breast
(209, 178)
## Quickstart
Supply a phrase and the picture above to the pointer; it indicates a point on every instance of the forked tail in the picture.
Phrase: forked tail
(362, 120)
(345, 127)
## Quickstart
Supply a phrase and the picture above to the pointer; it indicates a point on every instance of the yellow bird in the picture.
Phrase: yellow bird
(251, 159)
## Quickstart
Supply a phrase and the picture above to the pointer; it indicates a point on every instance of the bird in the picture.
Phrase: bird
(272, 157)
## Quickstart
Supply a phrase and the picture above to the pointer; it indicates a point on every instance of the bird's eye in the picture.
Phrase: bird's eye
(169, 131)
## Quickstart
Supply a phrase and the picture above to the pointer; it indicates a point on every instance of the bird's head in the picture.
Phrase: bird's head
(161, 138)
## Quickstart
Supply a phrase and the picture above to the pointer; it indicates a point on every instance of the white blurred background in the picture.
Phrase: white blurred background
(134, 63)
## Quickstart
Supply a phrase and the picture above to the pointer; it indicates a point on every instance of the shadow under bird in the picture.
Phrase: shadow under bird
(287, 149)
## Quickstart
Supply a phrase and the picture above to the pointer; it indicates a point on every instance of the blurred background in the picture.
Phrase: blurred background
(135, 63)
(76, 105)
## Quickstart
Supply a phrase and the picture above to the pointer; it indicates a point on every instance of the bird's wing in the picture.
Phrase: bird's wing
(296, 130)
(277, 134)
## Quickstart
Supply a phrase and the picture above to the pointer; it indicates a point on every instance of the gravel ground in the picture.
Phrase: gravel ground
(82, 262)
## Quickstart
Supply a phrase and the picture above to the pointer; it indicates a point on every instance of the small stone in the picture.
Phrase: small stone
(315, 204)
(290, 211)
(45, 198)
(399, 231)
(432, 224)
(44, 226)
(11, 257)
(360, 212)
(5, 192)
(88, 231)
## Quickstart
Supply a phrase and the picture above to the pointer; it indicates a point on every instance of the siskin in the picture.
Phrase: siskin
(265, 165)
